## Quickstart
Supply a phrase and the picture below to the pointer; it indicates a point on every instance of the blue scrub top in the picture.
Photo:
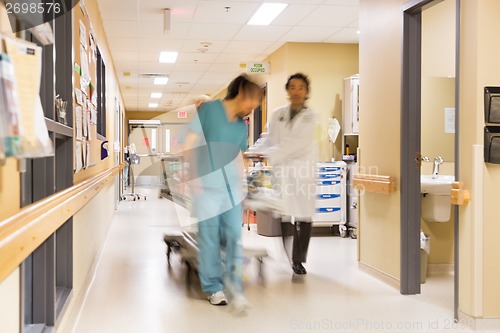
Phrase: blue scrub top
(224, 142)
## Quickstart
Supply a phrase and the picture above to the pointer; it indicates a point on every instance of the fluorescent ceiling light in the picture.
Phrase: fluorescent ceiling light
(153, 105)
(168, 57)
(156, 95)
(266, 13)
(161, 80)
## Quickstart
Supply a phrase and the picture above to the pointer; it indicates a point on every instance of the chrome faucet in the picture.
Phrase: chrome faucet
(438, 160)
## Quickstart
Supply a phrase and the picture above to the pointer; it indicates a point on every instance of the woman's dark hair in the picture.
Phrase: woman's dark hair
(242, 84)
(298, 76)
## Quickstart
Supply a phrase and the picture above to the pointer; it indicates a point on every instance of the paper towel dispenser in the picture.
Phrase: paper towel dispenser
(492, 144)
(492, 105)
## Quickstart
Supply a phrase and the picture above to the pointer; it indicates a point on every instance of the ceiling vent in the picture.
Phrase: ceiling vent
(152, 75)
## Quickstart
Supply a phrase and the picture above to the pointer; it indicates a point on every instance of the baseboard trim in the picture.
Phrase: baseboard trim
(477, 323)
(379, 275)
(434, 269)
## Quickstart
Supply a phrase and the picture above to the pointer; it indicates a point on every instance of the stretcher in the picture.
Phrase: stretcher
(185, 244)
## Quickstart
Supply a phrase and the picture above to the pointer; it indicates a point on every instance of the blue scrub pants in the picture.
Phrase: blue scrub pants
(221, 231)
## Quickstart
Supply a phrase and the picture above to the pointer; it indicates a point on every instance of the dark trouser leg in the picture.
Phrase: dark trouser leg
(301, 238)
(286, 234)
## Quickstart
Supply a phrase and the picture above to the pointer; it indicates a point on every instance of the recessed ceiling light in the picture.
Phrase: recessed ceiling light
(168, 57)
(358, 32)
(161, 80)
(266, 13)
(156, 95)
(153, 105)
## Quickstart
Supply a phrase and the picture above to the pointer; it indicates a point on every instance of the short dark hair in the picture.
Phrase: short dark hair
(242, 84)
(298, 76)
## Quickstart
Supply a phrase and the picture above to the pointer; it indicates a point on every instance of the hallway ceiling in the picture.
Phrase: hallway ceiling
(134, 29)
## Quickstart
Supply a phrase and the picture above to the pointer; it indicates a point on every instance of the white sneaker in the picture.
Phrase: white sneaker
(218, 298)
(239, 305)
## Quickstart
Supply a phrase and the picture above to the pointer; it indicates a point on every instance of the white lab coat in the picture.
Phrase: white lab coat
(292, 154)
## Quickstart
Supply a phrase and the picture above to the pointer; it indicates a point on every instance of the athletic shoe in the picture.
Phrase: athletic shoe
(218, 298)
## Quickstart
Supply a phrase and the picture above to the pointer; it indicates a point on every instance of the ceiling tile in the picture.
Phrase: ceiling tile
(261, 33)
(331, 16)
(122, 29)
(191, 67)
(345, 35)
(238, 47)
(308, 34)
(154, 29)
(215, 12)
(204, 58)
(213, 31)
(294, 14)
(342, 2)
(195, 44)
(127, 10)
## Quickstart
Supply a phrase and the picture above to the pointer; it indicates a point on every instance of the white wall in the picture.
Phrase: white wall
(90, 228)
(10, 307)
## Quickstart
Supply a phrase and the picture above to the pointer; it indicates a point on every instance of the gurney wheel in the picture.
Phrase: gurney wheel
(343, 231)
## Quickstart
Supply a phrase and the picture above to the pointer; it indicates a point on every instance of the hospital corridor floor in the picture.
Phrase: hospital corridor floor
(133, 289)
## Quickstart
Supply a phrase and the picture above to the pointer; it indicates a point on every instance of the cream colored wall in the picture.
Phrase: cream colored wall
(479, 227)
(379, 141)
(326, 65)
(437, 93)
(438, 40)
(90, 228)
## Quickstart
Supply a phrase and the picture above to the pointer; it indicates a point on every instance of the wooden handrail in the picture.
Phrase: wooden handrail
(25, 231)
(374, 183)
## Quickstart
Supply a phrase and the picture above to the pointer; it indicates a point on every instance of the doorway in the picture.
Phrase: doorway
(415, 84)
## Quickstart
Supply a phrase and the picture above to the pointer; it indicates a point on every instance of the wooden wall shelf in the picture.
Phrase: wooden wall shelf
(374, 183)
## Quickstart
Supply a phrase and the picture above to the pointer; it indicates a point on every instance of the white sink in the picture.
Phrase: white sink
(439, 185)
(436, 197)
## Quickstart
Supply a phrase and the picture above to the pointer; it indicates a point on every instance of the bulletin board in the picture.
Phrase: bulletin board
(87, 147)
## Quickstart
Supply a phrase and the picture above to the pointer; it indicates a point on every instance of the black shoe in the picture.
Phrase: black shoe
(298, 268)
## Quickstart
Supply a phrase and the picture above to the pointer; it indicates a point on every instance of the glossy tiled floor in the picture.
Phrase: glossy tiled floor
(134, 291)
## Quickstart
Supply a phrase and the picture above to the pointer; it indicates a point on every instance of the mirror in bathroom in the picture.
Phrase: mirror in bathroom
(438, 82)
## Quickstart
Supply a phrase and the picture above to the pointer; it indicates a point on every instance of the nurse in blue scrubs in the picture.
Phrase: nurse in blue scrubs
(217, 138)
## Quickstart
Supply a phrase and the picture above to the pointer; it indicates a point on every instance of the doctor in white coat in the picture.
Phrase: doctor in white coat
(291, 151)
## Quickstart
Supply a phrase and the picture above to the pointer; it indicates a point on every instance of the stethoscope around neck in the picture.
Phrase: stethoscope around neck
(288, 109)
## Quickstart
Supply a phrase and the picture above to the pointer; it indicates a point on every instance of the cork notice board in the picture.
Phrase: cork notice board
(86, 145)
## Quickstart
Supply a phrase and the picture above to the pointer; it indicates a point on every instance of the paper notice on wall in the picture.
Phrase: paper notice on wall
(93, 115)
(449, 120)
(83, 35)
(89, 132)
(88, 157)
(78, 122)
(84, 123)
(79, 96)
(84, 64)
(78, 156)
(27, 62)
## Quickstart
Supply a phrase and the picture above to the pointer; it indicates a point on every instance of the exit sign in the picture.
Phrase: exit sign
(261, 67)
(182, 114)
